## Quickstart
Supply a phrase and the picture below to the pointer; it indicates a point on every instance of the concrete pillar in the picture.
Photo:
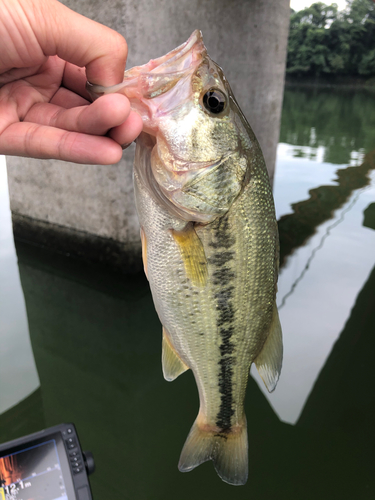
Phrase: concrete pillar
(89, 210)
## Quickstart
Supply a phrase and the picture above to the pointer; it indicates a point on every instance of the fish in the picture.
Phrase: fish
(210, 244)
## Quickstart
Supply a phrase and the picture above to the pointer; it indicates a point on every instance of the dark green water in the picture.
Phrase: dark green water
(96, 339)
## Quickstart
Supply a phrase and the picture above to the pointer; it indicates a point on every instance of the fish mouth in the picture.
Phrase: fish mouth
(176, 58)
(158, 75)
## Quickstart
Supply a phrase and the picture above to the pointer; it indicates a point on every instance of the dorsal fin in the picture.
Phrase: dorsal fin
(269, 360)
(172, 364)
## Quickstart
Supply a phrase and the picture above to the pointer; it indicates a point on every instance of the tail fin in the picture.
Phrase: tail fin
(227, 450)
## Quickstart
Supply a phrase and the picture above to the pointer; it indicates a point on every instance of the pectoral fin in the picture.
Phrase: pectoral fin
(269, 360)
(172, 364)
(192, 253)
(144, 251)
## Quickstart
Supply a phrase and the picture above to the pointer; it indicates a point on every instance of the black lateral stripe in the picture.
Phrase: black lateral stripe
(223, 276)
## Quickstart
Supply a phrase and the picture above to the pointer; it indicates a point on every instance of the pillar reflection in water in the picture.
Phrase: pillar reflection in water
(18, 374)
(326, 249)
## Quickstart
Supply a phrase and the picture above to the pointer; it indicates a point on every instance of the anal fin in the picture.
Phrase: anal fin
(173, 366)
(270, 358)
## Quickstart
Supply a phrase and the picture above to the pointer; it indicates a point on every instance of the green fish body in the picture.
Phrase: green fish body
(210, 244)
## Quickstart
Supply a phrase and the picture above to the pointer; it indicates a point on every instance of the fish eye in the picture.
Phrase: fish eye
(214, 101)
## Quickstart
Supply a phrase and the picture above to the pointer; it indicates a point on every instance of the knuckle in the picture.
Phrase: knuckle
(120, 45)
(32, 144)
(66, 145)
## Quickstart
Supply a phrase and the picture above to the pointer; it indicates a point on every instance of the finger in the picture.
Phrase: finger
(75, 79)
(19, 45)
(65, 98)
(81, 41)
(37, 141)
(127, 132)
(97, 118)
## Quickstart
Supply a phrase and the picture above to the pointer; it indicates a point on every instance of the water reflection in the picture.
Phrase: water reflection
(323, 201)
(326, 250)
(334, 126)
(317, 289)
(18, 374)
(369, 216)
(97, 345)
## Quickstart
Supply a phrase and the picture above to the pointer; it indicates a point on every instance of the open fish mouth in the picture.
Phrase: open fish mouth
(158, 75)
(180, 58)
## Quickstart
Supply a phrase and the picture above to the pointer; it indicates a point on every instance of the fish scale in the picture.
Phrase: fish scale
(210, 244)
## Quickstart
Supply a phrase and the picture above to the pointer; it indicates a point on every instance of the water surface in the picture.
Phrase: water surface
(96, 338)
(18, 373)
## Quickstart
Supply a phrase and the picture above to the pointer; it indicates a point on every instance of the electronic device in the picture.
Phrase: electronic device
(47, 465)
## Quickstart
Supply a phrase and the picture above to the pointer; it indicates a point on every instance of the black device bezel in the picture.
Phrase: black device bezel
(70, 454)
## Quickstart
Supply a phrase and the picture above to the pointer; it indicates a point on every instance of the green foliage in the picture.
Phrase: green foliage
(367, 64)
(323, 41)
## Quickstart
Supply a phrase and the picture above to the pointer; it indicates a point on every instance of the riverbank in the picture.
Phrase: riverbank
(337, 81)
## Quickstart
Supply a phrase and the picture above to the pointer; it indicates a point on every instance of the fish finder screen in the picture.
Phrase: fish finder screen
(32, 473)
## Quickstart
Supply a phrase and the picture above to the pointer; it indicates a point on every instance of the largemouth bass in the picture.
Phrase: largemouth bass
(209, 243)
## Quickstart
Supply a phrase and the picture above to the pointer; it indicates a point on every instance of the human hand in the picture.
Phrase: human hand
(44, 107)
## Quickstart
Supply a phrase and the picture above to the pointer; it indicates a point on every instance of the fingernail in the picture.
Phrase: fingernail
(124, 146)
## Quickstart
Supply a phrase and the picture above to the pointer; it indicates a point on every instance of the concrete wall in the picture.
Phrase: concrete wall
(247, 38)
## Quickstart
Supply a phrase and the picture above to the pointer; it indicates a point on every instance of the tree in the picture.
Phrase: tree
(325, 41)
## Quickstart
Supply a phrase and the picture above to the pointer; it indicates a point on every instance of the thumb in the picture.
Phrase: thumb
(80, 41)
